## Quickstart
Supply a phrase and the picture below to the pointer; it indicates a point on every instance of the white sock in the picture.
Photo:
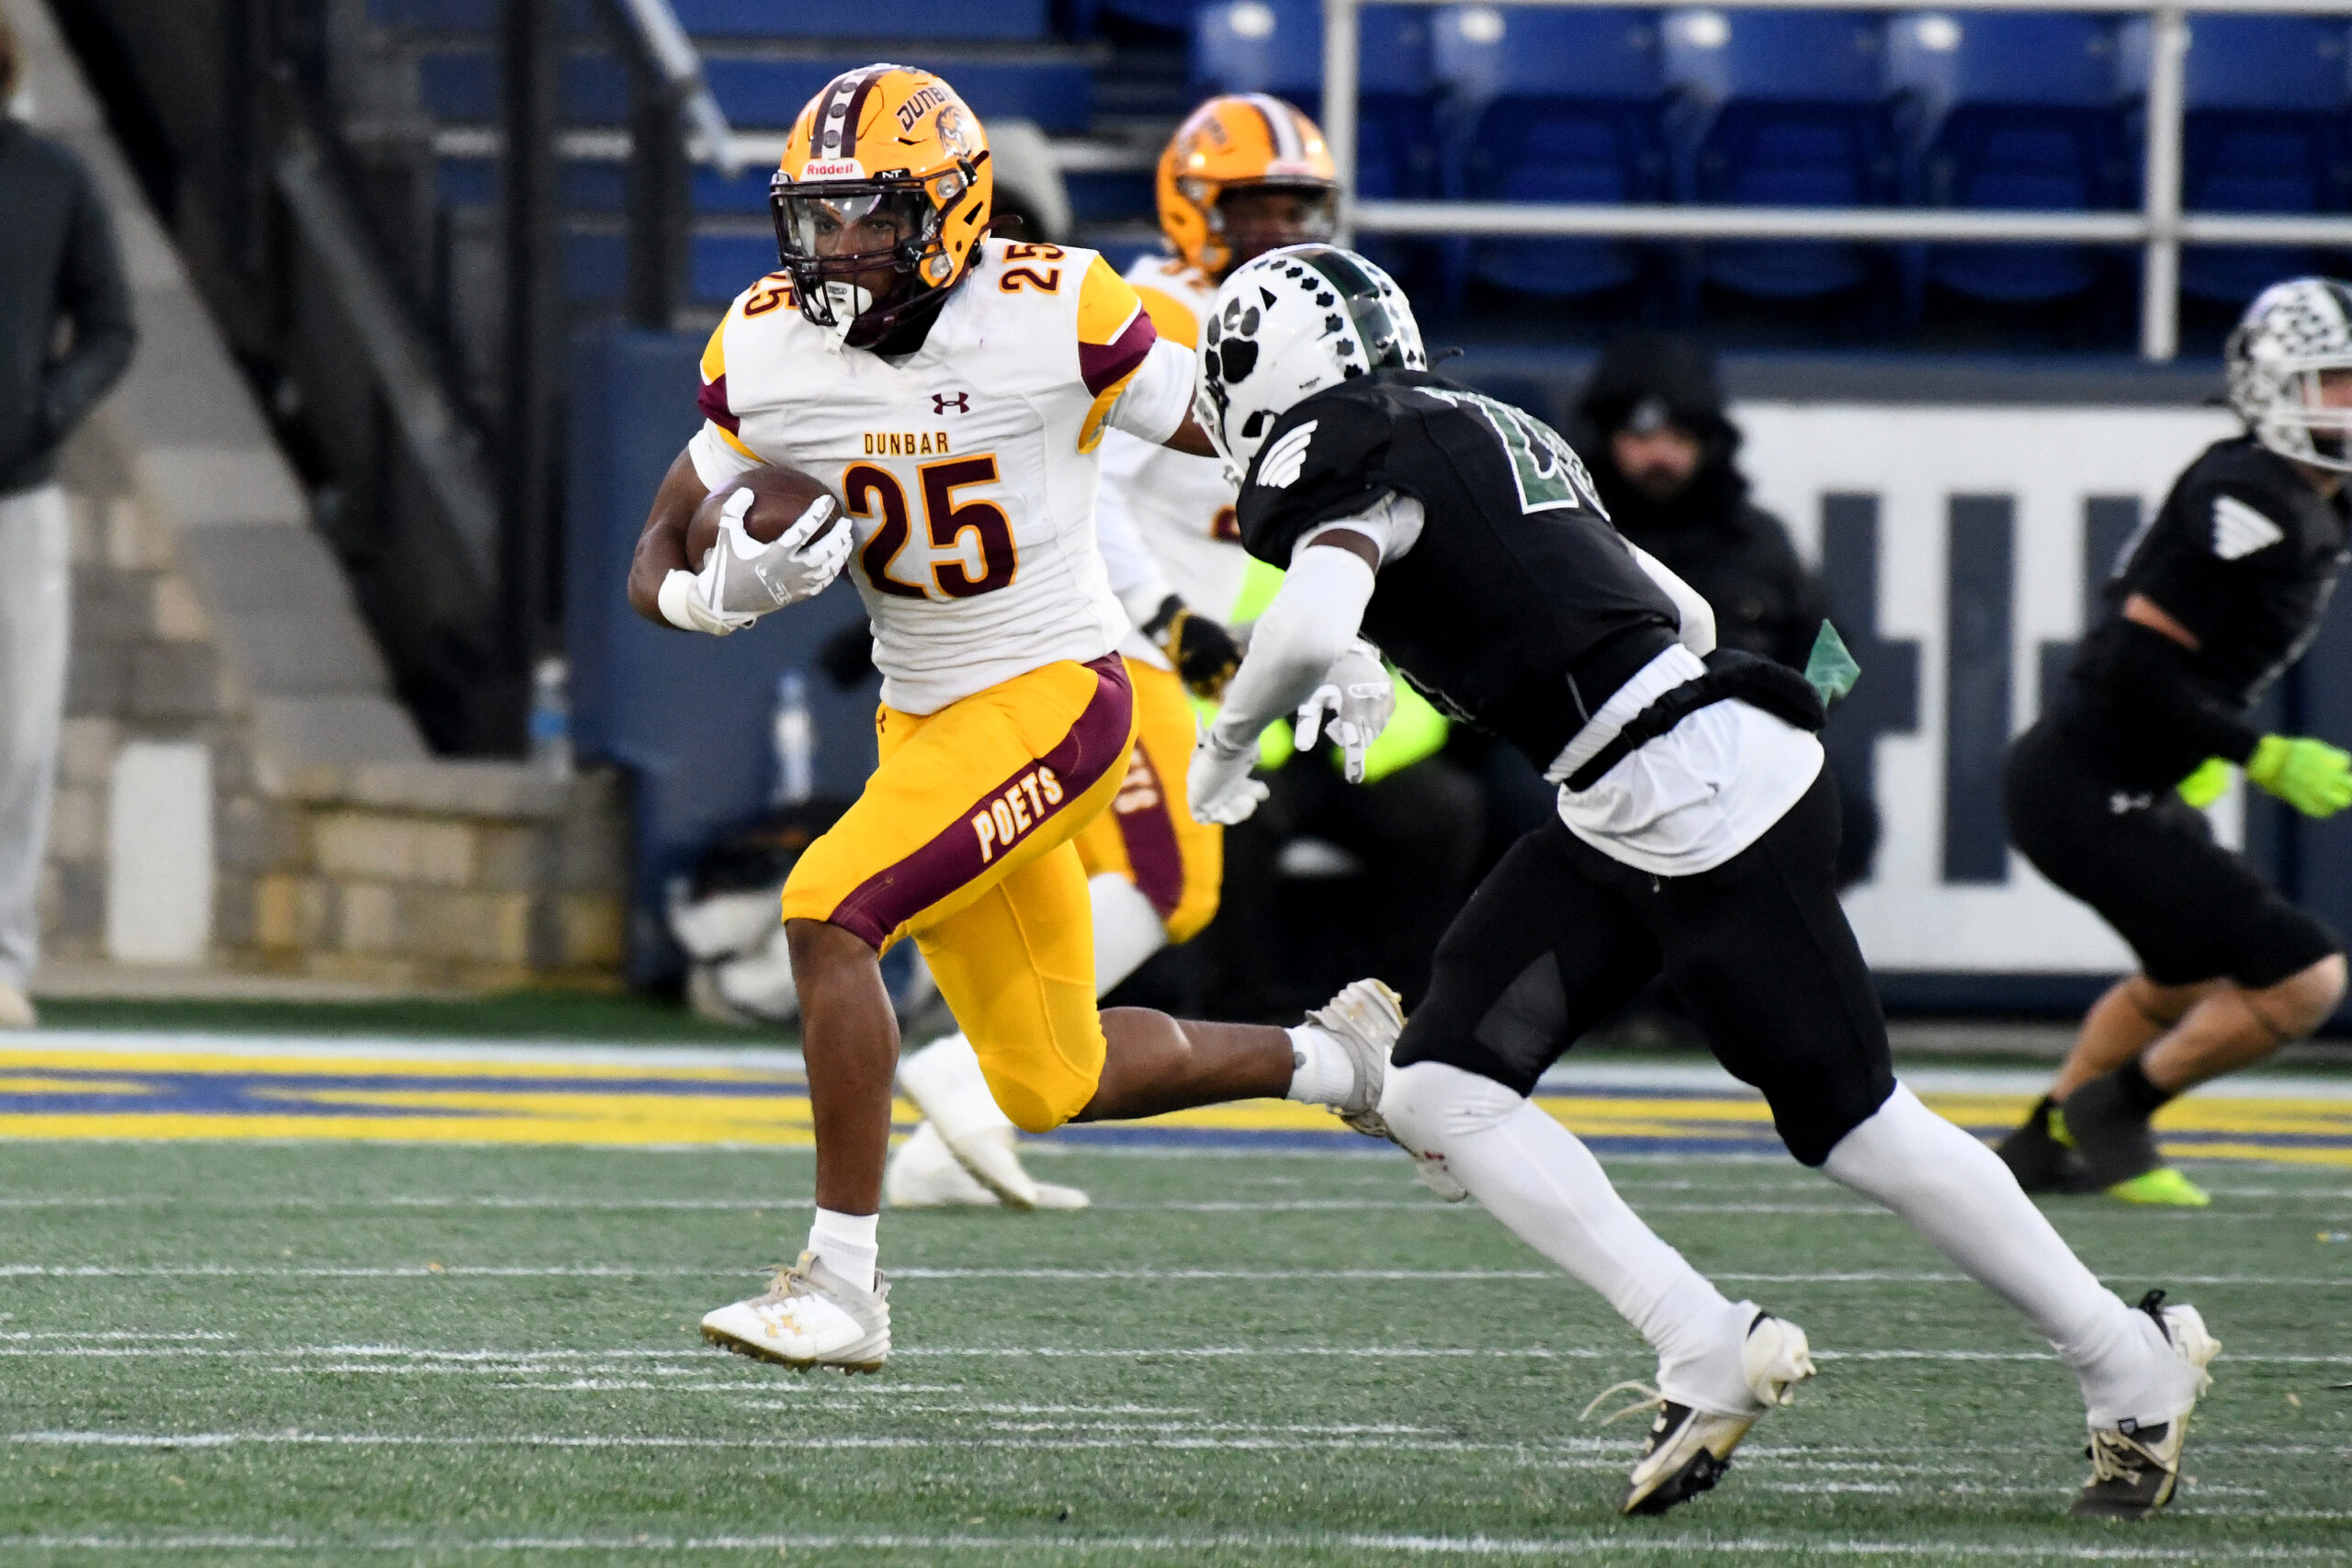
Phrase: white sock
(1536, 1177)
(1127, 928)
(848, 1244)
(1958, 1194)
(1320, 1073)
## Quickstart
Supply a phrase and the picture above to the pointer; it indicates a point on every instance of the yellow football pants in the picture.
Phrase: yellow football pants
(1149, 835)
(962, 839)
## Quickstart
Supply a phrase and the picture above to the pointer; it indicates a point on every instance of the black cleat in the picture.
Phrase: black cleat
(2136, 1468)
(1688, 1450)
(2037, 1157)
(2115, 1144)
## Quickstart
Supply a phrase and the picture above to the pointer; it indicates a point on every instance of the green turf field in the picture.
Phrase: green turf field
(214, 1352)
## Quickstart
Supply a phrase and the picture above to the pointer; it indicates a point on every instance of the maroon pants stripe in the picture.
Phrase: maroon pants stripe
(1142, 808)
(1087, 750)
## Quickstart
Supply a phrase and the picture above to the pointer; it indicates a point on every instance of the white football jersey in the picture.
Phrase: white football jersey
(968, 467)
(1179, 506)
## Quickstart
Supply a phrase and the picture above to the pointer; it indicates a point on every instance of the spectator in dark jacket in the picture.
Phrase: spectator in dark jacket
(65, 337)
(1651, 425)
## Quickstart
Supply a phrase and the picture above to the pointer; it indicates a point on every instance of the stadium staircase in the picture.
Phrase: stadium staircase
(240, 790)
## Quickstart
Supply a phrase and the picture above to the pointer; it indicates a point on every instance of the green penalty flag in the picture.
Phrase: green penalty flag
(1831, 668)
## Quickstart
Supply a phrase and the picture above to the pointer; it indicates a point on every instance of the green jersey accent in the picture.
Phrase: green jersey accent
(1550, 475)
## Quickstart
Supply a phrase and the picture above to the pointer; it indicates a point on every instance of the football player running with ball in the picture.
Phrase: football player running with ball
(953, 388)
(2210, 602)
(1696, 836)
(1244, 173)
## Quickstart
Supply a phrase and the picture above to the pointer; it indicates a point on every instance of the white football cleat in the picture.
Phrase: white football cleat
(1365, 1018)
(1688, 1450)
(925, 1174)
(809, 1316)
(945, 1083)
(2136, 1466)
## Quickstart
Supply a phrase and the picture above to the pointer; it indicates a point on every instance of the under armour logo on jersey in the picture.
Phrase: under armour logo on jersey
(2239, 530)
(1279, 469)
(942, 401)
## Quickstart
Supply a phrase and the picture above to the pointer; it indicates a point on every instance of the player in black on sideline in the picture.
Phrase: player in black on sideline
(1696, 835)
(2208, 603)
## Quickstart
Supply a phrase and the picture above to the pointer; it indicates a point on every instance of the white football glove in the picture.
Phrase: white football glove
(1219, 784)
(1353, 704)
(742, 579)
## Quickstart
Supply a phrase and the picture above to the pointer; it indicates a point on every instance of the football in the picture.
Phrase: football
(779, 495)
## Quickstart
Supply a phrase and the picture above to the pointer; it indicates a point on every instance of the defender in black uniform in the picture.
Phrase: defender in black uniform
(2207, 606)
(1696, 836)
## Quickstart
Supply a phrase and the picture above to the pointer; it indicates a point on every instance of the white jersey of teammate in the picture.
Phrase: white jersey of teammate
(1173, 507)
(968, 466)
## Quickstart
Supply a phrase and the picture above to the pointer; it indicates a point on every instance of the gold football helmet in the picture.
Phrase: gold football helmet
(1242, 141)
(884, 191)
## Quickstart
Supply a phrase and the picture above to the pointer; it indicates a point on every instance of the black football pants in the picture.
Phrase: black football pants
(1559, 936)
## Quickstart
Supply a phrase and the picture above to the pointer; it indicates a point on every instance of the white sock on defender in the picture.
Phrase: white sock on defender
(1536, 1177)
(1958, 1194)
(1127, 928)
(848, 1244)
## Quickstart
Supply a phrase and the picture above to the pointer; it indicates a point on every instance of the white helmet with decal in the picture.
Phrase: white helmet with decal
(1286, 326)
(2292, 334)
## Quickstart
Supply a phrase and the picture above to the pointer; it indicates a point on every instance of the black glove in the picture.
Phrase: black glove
(1203, 652)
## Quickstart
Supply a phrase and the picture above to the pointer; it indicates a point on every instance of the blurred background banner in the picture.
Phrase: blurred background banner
(1964, 547)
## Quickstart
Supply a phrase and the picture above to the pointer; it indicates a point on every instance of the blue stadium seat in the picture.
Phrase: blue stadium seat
(1171, 16)
(721, 266)
(462, 85)
(2009, 110)
(1008, 20)
(1276, 46)
(1552, 107)
(1782, 108)
(2265, 131)
(757, 90)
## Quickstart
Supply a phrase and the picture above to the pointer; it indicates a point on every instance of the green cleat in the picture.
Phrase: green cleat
(2162, 1187)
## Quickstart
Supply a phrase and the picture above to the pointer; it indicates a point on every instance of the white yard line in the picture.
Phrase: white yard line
(1571, 1077)
(944, 1274)
(503, 1360)
(1189, 1547)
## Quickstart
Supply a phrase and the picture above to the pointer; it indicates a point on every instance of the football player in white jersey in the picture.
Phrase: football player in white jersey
(1244, 173)
(953, 388)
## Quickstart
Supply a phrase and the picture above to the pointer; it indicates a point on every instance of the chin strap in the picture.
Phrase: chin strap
(847, 301)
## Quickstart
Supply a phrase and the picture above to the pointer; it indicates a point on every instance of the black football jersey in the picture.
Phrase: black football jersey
(2244, 554)
(1517, 574)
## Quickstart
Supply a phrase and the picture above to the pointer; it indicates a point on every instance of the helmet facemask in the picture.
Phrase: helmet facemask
(1238, 242)
(2296, 341)
(835, 236)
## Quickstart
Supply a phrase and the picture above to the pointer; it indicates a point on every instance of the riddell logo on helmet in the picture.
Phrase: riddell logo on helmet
(832, 169)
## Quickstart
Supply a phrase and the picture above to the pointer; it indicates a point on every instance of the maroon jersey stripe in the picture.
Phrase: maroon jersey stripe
(1100, 365)
(713, 402)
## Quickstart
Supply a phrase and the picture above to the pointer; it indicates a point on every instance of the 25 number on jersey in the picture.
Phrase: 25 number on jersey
(875, 491)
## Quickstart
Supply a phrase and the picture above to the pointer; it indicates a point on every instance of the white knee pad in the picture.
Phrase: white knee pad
(1429, 1104)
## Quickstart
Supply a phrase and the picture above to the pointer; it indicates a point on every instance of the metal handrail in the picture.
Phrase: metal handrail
(2160, 227)
(661, 37)
(674, 122)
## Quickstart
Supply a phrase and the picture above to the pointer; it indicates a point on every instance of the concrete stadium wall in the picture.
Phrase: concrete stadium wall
(239, 788)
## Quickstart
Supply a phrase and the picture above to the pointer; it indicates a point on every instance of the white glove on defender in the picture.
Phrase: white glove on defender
(742, 579)
(1219, 784)
(1353, 704)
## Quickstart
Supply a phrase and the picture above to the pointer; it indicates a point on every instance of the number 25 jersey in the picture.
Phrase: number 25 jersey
(968, 466)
